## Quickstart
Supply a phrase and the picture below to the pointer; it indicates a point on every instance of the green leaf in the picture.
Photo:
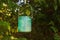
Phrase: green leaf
(4, 26)
(56, 36)
(54, 29)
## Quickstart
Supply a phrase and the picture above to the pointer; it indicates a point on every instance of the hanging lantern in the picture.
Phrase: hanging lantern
(24, 20)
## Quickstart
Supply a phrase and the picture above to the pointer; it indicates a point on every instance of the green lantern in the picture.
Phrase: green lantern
(24, 24)
(24, 17)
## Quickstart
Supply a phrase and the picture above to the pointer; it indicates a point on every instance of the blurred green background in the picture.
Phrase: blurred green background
(45, 16)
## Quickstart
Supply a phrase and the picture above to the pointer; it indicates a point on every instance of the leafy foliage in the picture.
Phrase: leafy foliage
(46, 16)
